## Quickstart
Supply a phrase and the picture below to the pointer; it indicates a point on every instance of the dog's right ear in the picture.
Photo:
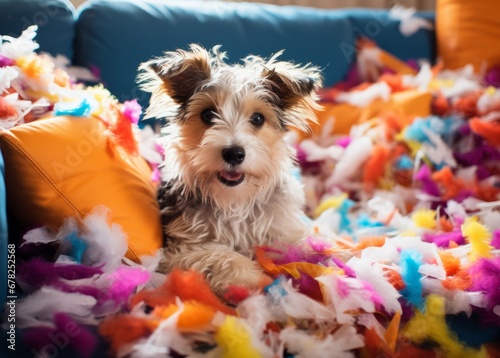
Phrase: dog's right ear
(176, 75)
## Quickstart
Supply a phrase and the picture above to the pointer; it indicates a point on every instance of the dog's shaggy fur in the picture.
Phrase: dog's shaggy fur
(228, 182)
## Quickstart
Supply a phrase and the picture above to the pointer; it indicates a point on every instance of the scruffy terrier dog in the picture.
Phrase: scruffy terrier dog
(228, 183)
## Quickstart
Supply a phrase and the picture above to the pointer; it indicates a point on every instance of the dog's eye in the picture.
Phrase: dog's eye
(208, 115)
(257, 119)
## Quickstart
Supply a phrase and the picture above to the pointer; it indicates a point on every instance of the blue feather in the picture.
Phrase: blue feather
(343, 210)
(404, 163)
(81, 109)
(77, 246)
(410, 261)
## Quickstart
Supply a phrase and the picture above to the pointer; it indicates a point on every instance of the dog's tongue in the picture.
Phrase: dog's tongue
(230, 176)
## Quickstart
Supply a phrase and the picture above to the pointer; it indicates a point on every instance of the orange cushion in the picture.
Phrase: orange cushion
(467, 32)
(63, 166)
(406, 103)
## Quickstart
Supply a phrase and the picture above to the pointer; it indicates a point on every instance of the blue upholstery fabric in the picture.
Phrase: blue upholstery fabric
(148, 28)
(55, 20)
(378, 26)
(117, 35)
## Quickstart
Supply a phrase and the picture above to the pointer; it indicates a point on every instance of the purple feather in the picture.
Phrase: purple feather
(83, 289)
(482, 172)
(124, 282)
(428, 185)
(5, 61)
(121, 284)
(67, 333)
(375, 297)
(495, 241)
(477, 155)
(349, 272)
(444, 239)
(485, 277)
(300, 253)
(308, 286)
(344, 141)
(318, 245)
(38, 272)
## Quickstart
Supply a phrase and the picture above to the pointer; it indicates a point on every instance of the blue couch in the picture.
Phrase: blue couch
(114, 36)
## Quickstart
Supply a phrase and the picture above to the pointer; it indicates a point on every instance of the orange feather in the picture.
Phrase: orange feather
(488, 130)
(187, 285)
(375, 165)
(121, 329)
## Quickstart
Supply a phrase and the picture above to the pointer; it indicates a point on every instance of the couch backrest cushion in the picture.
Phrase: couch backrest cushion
(378, 26)
(121, 34)
(117, 35)
(55, 20)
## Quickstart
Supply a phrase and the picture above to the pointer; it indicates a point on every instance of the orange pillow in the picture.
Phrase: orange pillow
(405, 103)
(63, 166)
(468, 32)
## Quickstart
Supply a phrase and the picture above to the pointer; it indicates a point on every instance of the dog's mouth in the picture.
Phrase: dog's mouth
(230, 178)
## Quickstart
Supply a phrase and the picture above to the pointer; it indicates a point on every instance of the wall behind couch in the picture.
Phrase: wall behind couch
(381, 4)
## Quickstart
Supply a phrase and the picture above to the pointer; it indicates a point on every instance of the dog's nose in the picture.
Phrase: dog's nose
(233, 155)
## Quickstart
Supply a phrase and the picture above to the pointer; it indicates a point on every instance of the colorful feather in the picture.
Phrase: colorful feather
(431, 325)
(479, 238)
(107, 243)
(234, 338)
(67, 333)
(410, 262)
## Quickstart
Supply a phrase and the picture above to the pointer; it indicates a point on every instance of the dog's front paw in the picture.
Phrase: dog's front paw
(238, 278)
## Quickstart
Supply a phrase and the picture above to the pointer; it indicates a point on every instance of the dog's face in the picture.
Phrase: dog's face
(227, 123)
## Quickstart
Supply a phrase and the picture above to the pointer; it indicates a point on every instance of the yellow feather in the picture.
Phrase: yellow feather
(332, 202)
(479, 238)
(425, 218)
(431, 325)
(235, 340)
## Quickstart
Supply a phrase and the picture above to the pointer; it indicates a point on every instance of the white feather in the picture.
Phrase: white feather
(345, 295)
(350, 163)
(410, 23)
(38, 308)
(373, 274)
(460, 87)
(287, 303)
(7, 75)
(151, 264)
(384, 210)
(421, 80)
(363, 98)
(436, 270)
(107, 243)
(149, 141)
(370, 321)
(39, 235)
(438, 152)
(22, 46)
(315, 152)
(165, 338)
(327, 224)
(337, 345)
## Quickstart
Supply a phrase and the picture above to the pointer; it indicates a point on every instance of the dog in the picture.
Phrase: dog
(228, 180)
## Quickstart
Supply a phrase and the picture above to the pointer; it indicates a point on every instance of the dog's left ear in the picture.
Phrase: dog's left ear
(295, 91)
